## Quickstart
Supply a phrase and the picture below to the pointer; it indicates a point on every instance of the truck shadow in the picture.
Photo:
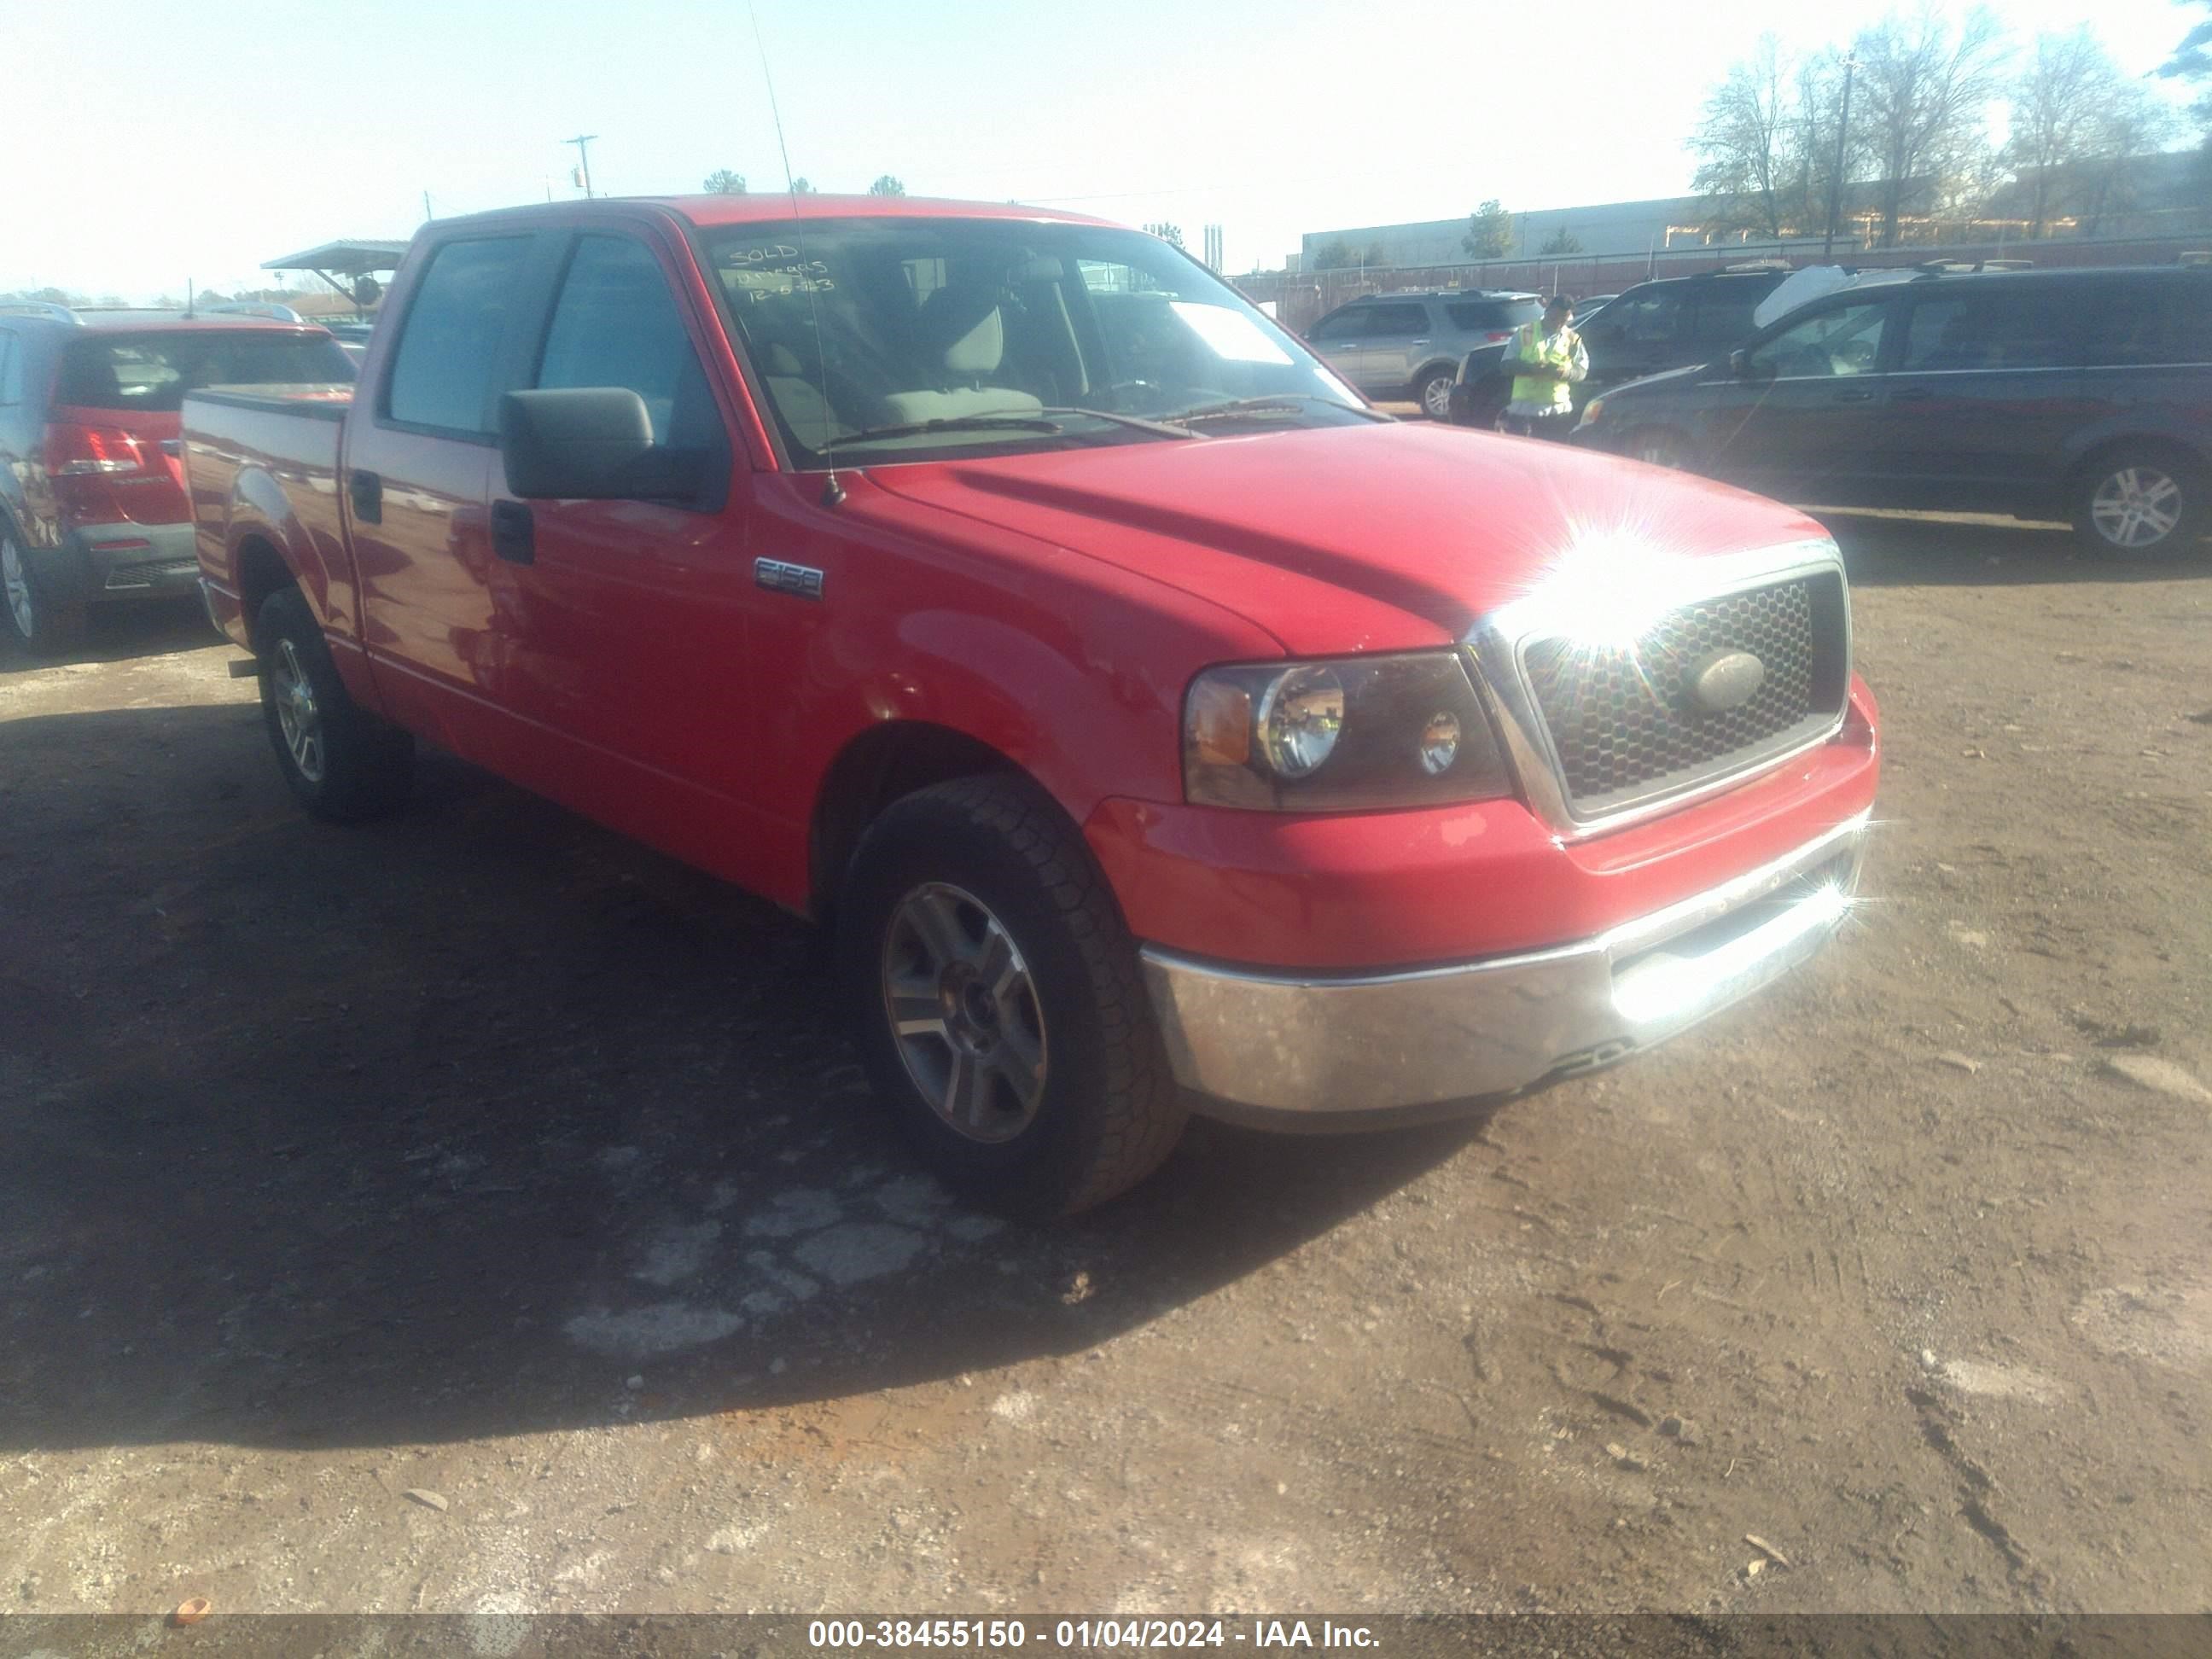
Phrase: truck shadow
(482, 1121)
(116, 633)
(1885, 551)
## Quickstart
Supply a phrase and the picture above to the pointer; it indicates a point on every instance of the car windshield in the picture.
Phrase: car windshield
(150, 374)
(897, 339)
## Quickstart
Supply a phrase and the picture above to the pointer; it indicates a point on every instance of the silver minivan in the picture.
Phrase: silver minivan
(1409, 347)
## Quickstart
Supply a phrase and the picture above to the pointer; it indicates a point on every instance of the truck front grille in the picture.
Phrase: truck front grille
(1624, 727)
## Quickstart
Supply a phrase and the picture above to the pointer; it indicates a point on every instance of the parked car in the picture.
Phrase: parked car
(1588, 306)
(1413, 347)
(1158, 726)
(1673, 322)
(92, 500)
(2084, 394)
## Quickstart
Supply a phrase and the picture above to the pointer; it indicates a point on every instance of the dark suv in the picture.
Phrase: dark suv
(1411, 346)
(1674, 322)
(92, 497)
(2080, 394)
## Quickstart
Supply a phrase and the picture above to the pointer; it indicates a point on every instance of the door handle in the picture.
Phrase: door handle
(1911, 394)
(1852, 397)
(514, 535)
(367, 491)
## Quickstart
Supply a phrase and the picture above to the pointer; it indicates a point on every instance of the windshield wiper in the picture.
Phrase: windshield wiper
(1037, 419)
(984, 422)
(1286, 400)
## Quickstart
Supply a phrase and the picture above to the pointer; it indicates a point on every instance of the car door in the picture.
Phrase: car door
(417, 465)
(622, 623)
(1795, 414)
(1340, 340)
(1397, 342)
(1987, 384)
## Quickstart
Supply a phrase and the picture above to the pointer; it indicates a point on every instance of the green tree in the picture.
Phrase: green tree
(1489, 231)
(1560, 241)
(801, 187)
(1335, 254)
(1171, 234)
(886, 185)
(723, 182)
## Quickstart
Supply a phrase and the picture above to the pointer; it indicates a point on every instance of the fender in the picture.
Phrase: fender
(2157, 424)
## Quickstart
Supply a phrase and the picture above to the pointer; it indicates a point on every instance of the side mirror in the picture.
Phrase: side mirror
(1739, 364)
(588, 443)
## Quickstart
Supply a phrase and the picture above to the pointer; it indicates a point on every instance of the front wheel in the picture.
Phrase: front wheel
(1001, 1014)
(2144, 503)
(340, 759)
(1433, 392)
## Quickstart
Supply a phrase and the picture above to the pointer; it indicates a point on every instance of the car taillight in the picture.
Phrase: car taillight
(73, 451)
(1497, 335)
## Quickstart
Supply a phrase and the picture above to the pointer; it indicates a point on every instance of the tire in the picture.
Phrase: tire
(35, 621)
(1433, 392)
(1019, 1059)
(343, 762)
(2142, 501)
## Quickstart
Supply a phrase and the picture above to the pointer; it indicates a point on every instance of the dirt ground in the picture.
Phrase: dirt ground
(476, 1213)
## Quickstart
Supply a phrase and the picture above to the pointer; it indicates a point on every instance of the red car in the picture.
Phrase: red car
(1159, 727)
(92, 500)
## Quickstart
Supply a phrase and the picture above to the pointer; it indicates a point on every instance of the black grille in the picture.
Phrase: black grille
(1623, 721)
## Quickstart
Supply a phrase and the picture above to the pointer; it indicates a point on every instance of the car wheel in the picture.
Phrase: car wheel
(38, 624)
(1002, 1017)
(340, 759)
(1433, 393)
(1658, 447)
(2145, 503)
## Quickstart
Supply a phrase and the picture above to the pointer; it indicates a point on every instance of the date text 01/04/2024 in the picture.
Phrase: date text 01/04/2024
(1006, 1634)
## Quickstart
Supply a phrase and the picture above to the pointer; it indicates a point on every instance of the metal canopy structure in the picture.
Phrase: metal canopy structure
(350, 260)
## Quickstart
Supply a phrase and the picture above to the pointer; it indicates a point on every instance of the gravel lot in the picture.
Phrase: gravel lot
(475, 1213)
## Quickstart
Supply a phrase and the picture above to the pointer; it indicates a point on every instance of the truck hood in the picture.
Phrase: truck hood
(1339, 539)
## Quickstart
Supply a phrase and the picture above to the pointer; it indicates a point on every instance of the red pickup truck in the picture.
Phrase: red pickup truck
(1159, 727)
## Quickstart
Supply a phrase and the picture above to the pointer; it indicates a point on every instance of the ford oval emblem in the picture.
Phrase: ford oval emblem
(1724, 680)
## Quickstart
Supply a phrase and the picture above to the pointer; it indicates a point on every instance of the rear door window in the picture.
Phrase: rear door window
(11, 374)
(442, 376)
(1723, 313)
(1487, 315)
(1993, 328)
(150, 374)
(1655, 316)
(1403, 318)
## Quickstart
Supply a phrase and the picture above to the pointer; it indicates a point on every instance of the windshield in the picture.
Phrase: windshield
(151, 373)
(931, 329)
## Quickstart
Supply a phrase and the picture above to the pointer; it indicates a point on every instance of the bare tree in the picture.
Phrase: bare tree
(801, 187)
(723, 182)
(886, 185)
(2061, 106)
(1171, 234)
(2134, 123)
(1924, 91)
(1743, 142)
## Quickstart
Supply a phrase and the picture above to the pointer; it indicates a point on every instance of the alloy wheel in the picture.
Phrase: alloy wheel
(16, 582)
(1436, 399)
(965, 1014)
(300, 720)
(2137, 507)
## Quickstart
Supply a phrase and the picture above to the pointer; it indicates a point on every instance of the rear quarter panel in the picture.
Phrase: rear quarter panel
(265, 468)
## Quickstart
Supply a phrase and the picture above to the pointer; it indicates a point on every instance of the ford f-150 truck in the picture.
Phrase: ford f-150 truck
(1160, 728)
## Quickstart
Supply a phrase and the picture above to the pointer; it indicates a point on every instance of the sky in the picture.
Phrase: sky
(221, 134)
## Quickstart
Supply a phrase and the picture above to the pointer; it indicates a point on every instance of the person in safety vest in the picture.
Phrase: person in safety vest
(1545, 359)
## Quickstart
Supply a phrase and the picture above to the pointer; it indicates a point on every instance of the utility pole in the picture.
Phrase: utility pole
(582, 142)
(1835, 183)
(427, 215)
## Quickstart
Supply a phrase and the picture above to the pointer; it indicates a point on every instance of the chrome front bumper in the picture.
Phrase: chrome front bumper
(1316, 1043)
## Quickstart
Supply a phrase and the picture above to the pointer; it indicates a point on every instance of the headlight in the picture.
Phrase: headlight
(1356, 734)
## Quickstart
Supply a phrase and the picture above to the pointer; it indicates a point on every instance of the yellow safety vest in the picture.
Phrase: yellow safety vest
(1530, 346)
